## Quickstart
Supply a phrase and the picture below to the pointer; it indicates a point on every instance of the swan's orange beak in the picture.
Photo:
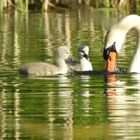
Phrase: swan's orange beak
(111, 62)
(110, 55)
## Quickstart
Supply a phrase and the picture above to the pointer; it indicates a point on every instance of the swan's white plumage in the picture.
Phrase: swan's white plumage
(117, 34)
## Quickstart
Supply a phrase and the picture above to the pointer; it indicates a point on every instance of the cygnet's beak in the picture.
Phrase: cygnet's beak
(110, 55)
(83, 54)
(69, 59)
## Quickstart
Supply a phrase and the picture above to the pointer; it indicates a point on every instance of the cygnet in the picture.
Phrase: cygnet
(46, 69)
(84, 63)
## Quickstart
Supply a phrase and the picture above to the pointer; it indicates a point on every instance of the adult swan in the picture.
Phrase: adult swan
(114, 40)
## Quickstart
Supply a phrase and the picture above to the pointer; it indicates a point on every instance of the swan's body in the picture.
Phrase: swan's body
(43, 69)
(117, 34)
(83, 64)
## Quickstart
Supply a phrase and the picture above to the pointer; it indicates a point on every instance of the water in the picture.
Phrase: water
(65, 107)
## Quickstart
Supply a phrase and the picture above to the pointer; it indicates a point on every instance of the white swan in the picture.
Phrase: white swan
(43, 69)
(83, 64)
(114, 41)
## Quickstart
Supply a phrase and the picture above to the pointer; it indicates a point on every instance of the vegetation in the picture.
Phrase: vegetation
(25, 5)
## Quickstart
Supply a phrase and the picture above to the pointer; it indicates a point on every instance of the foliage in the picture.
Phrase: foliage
(25, 5)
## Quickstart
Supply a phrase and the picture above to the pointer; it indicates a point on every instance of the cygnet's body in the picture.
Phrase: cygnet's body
(84, 63)
(45, 69)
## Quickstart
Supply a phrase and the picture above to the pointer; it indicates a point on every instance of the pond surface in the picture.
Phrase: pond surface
(79, 107)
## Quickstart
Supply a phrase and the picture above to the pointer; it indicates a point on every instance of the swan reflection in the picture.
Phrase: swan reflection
(136, 86)
(120, 106)
(114, 86)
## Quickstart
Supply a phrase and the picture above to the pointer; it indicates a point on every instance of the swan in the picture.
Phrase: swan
(83, 64)
(114, 41)
(45, 69)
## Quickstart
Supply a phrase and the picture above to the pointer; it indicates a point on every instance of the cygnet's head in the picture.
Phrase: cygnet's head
(63, 52)
(83, 51)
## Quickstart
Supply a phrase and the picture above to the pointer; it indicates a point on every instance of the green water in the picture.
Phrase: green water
(65, 107)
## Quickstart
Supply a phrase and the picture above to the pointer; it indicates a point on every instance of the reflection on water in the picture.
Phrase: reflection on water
(39, 113)
(123, 109)
(64, 107)
(61, 111)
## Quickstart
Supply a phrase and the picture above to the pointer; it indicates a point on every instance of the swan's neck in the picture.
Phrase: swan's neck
(62, 66)
(118, 33)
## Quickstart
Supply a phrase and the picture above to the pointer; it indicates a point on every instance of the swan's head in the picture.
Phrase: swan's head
(83, 51)
(113, 43)
(63, 52)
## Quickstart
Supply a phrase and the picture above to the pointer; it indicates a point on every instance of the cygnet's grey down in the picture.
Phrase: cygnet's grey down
(45, 69)
(84, 63)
